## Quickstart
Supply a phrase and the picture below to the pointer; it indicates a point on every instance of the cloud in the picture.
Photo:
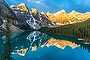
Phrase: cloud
(55, 5)
(36, 1)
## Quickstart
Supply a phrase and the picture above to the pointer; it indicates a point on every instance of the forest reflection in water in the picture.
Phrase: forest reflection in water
(24, 42)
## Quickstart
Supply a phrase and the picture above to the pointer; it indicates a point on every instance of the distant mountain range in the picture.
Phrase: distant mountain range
(60, 17)
(64, 18)
(24, 19)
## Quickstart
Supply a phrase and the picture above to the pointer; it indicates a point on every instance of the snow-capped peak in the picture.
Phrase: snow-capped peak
(48, 13)
(34, 10)
(12, 6)
(60, 12)
(21, 4)
(42, 13)
(74, 12)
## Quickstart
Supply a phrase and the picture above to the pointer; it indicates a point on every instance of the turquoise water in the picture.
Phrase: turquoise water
(54, 53)
(27, 40)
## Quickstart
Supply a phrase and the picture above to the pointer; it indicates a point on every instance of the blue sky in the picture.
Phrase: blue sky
(55, 5)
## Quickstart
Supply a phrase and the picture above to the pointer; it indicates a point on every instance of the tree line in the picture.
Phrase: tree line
(78, 30)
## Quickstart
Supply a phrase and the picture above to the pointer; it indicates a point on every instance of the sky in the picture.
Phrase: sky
(53, 6)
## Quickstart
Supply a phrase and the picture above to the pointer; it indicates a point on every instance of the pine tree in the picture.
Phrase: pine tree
(7, 51)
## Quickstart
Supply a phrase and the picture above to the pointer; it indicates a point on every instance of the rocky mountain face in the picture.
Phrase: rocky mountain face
(23, 18)
(31, 18)
(5, 10)
(63, 18)
(22, 7)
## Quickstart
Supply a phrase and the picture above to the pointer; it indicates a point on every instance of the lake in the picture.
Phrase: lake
(41, 46)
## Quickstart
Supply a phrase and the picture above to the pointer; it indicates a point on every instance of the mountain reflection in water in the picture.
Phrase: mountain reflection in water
(27, 43)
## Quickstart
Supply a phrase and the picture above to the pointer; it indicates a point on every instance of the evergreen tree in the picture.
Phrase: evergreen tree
(7, 51)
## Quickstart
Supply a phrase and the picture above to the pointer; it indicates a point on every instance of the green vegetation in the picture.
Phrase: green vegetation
(7, 51)
(78, 30)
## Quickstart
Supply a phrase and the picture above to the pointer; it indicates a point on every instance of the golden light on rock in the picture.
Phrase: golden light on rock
(42, 13)
(22, 7)
(64, 18)
(21, 52)
(34, 48)
(60, 43)
(34, 10)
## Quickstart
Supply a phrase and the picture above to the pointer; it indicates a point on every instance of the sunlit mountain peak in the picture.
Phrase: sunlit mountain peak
(48, 14)
(60, 12)
(74, 12)
(42, 13)
(21, 6)
(12, 6)
(34, 10)
(63, 18)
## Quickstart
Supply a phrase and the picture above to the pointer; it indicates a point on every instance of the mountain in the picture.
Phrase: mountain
(63, 18)
(34, 11)
(21, 6)
(23, 18)
(5, 10)
(32, 18)
(78, 30)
